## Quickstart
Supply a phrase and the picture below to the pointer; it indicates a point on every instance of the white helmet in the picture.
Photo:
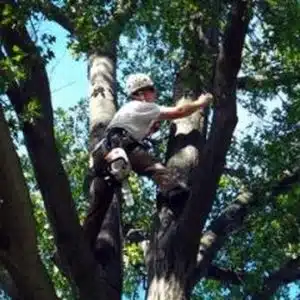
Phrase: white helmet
(138, 81)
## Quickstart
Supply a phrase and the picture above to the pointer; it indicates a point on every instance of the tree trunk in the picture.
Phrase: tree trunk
(51, 177)
(172, 255)
(20, 252)
(102, 92)
(167, 287)
(169, 264)
(102, 103)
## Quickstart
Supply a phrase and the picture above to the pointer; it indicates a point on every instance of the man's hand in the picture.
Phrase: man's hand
(205, 100)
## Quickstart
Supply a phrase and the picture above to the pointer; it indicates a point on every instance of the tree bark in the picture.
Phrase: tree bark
(40, 142)
(167, 264)
(171, 263)
(20, 252)
(206, 176)
(102, 91)
(167, 268)
(102, 102)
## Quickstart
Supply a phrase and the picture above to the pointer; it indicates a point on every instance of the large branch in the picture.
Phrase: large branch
(226, 276)
(109, 243)
(105, 236)
(56, 14)
(18, 225)
(264, 83)
(288, 273)
(122, 14)
(188, 135)
(102, 102)
(232, 218)
(206, 176)
(51, 177)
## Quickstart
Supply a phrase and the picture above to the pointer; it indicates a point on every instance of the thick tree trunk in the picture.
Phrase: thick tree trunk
(19, 253)
(172, 255)
(74, 252)
(167, 287)
(168, 268)
(102, 92)
(102, 102)
(169, 265)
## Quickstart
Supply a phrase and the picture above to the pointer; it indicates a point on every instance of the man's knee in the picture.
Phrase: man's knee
(143, 163)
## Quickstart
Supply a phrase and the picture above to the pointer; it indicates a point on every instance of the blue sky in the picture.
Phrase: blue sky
(68, 77)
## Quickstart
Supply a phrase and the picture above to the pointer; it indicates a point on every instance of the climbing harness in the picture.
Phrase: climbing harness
(115, 163)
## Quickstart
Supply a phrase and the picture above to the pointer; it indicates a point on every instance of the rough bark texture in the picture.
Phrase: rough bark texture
(102, 74)
(102, 105)
(108, 247)
(167, 269)
(19, 252)
(39, 138)
(104, 278)
(171, 265)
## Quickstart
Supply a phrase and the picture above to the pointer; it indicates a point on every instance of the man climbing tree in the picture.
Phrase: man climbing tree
(130, 125)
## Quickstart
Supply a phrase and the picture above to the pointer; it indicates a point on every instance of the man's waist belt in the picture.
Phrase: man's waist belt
(116, 138)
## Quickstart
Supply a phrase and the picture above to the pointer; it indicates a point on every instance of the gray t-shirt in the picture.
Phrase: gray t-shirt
(136, 117)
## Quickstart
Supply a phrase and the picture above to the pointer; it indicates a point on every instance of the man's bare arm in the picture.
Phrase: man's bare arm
(185, 109)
